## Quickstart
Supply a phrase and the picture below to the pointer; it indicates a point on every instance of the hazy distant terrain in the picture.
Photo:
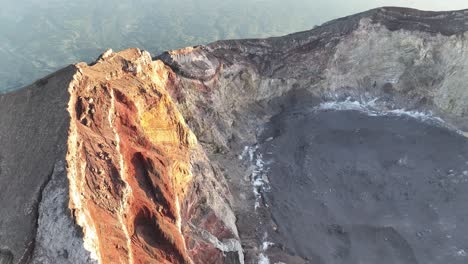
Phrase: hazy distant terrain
(38, 37)
(44, 37)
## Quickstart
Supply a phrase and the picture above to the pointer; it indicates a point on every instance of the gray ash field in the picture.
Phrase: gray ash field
(346, 187)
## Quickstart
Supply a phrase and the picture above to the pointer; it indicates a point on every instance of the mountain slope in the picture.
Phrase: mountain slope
(151, 146)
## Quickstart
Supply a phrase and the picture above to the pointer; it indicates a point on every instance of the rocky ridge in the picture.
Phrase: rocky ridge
(137, 174)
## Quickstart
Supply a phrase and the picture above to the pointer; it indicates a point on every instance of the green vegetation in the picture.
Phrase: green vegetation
(43, 36)
(38, 37)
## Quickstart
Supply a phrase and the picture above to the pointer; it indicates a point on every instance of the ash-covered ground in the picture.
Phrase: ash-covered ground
(354, 187)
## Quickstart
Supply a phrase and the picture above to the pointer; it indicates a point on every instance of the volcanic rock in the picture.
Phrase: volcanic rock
(134, 159)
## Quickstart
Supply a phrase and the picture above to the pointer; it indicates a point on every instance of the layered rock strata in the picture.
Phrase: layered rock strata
(141, 186)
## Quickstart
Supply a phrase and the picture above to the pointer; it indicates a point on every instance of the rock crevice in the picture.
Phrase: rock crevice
(130, 165)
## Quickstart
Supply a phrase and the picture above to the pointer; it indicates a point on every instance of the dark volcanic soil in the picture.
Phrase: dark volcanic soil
(351, 188)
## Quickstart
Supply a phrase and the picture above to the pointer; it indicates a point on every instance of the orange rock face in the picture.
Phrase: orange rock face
(130, 167)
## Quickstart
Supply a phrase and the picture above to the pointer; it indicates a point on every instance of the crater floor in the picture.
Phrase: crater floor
(346, 187)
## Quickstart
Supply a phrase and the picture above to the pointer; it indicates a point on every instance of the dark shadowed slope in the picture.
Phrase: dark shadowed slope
(33, 133)
(351, 188)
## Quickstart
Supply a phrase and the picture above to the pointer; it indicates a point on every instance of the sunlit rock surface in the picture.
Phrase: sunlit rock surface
(140, 184)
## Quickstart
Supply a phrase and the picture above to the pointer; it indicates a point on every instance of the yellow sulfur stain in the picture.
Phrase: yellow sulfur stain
(182, 175)
(159, 127)
(164, 126)
(162, 129)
